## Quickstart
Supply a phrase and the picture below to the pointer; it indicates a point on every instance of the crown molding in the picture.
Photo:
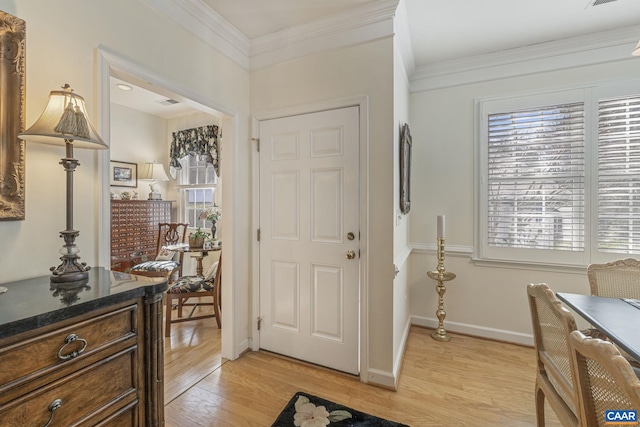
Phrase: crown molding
(207, 25)
(596, 48)
(369, 22)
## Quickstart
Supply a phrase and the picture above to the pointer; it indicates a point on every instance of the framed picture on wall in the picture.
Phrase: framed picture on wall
(123, 174)
(405, 169)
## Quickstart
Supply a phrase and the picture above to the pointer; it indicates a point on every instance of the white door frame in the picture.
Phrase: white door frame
(111, 63)
(356, 101)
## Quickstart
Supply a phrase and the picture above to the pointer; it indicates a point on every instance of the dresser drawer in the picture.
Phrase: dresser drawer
(93, 394)
(24, 361)
(127, 416)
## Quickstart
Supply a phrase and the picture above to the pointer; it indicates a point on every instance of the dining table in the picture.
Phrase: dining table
(617, 318)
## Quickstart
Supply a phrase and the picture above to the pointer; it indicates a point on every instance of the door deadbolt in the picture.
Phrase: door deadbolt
(350, 255)
(351, 236)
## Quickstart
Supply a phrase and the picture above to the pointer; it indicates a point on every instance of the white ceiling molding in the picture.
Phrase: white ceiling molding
(369, 22)
(597, 48)
(208, 26)
(403, 38)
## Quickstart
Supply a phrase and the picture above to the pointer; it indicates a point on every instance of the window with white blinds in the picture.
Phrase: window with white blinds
(619, 175)
(536, 178)
(559, 176)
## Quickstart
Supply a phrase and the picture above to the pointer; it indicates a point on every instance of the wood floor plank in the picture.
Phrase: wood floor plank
(465, 382)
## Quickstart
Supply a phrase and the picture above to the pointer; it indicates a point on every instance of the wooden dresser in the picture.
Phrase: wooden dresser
(89, 356)
(134, 230)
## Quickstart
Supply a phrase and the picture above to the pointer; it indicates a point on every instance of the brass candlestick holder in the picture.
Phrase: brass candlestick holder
(441, 276)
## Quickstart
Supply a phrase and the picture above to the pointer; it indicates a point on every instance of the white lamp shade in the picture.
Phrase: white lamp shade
(636, 51)
(154, 171)
(50, 127)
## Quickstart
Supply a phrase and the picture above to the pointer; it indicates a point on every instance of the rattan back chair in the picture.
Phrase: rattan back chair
(555, 381)
(605, 379)
(618, 279)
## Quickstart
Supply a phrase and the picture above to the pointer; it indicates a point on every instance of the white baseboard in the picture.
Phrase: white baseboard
(243, 346)
(390, 379)
(478, 331)
(380, 378)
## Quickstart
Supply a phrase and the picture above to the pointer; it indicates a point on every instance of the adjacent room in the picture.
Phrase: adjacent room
(413, 199)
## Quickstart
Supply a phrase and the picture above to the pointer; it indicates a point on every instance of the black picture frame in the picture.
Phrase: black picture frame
(405, 169)
(123, 174)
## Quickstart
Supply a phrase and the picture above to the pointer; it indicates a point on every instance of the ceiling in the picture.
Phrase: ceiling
(440, 30)
(449, 29)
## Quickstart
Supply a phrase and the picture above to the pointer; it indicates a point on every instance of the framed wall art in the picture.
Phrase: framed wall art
(405, 169)
(124, 174)
(12, 105)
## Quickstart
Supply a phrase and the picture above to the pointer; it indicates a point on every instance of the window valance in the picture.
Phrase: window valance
(201, 141)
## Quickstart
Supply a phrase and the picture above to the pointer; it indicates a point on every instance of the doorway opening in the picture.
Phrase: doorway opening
(140, 134)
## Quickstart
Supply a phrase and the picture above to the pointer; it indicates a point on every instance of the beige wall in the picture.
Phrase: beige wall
(362, 70)
(139, 138)
(487, 301)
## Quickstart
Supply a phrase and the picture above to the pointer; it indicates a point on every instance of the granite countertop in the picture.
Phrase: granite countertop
(33, 303)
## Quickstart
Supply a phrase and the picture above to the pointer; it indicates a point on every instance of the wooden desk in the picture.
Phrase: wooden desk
(616, 318)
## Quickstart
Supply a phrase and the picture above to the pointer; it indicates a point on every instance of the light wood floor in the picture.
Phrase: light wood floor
(465, 382)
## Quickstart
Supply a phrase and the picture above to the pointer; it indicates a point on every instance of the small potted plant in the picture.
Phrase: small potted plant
(197, 238)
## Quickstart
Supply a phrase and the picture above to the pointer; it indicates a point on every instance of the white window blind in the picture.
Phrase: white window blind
(535, 178)
(619, 175)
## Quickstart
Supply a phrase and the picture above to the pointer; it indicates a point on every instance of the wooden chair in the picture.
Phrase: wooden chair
(164, 264)
(605, 380)
(552, 323)
(194, 287)
(618, 279)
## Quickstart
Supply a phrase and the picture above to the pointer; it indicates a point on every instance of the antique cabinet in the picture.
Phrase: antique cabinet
(89, 355)
(134, 230)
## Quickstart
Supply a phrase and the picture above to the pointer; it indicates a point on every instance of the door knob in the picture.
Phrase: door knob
(350, 255)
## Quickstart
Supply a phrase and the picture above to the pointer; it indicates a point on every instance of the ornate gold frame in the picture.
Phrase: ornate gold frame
(12, 116)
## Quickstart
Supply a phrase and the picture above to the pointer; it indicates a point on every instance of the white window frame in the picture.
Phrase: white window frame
(183, 186)
(590, 95)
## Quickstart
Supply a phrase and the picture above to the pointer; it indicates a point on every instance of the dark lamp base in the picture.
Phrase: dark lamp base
(70, 276)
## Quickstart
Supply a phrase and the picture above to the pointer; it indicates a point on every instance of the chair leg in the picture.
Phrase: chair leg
(216, 309)
(539, 407)
(167, 326)
(180, 301)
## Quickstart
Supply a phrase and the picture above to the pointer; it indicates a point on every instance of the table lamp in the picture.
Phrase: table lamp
(65, 122)
(155, 172)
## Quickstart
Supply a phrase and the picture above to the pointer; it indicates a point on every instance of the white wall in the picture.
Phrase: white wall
(366, 69)
(486, 301)
(401, 248)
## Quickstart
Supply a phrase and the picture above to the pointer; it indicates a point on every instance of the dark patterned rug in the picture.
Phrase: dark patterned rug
(311, 411)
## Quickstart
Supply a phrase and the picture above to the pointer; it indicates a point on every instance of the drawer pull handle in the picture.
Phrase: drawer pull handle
(53, 406)
(68, 340)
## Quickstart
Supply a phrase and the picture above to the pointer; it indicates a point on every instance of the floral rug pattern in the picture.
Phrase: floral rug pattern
(305, 410)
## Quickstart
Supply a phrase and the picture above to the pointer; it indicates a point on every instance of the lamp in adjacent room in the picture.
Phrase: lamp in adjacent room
(155, 172)
(65, 122)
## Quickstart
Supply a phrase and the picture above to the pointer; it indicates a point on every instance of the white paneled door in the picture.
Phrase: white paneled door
(309, 237)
